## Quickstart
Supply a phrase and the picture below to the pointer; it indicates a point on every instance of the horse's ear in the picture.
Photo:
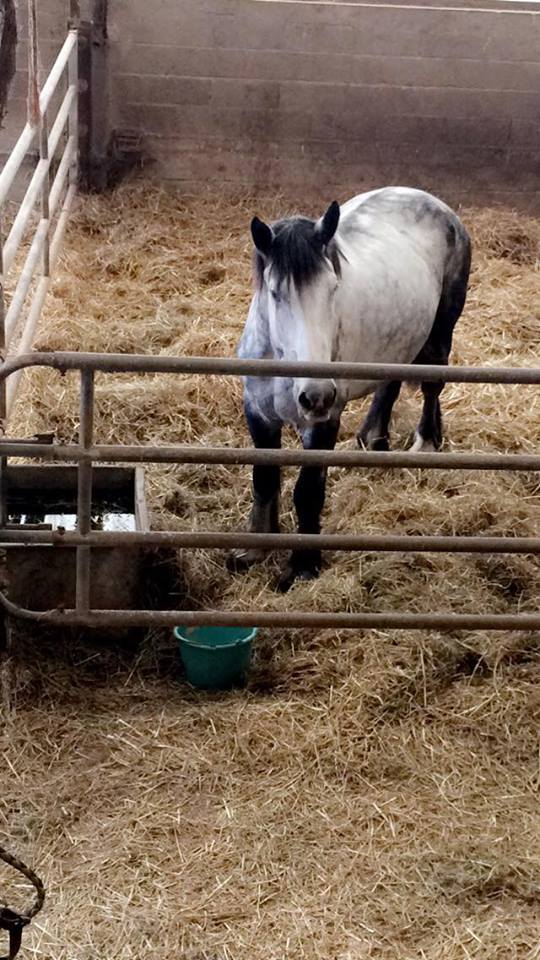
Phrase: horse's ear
(262, 236)
(327, 225)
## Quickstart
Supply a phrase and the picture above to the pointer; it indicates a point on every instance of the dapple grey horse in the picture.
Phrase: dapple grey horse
(381, 279)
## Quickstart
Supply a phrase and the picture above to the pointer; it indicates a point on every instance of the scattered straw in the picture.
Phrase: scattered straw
(370, 794)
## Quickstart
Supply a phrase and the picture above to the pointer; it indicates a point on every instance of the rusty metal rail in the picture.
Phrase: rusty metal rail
(228, 366)
(246, 456)
(448, 622)
(210, 540)
(86, 453)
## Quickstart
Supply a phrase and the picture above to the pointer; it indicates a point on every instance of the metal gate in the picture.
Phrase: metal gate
(57, 149)
(86, 453)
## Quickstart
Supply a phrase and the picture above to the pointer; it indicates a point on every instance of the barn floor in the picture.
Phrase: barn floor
(369, 794)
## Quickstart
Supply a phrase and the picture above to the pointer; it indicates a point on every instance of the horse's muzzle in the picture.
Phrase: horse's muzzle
(316, 398)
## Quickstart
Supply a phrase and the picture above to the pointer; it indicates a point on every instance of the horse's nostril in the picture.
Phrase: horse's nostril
(318, 400)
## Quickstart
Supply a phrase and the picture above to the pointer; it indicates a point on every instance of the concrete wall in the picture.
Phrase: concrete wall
(342, 95)
(347, 95)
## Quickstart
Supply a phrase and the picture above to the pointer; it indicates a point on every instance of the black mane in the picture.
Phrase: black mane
(296, 252)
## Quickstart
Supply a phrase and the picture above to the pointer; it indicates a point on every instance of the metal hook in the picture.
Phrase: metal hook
(10, 920)
(13, 923)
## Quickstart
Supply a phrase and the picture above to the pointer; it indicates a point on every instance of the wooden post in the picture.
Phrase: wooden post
(8, 46)
(94, 129)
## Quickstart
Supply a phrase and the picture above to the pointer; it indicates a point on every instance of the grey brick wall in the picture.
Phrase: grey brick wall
(338, 95)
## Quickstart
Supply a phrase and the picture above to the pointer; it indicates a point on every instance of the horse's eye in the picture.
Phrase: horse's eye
(275, 296)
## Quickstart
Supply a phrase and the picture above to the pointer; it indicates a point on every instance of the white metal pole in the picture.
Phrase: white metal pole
(3, 399)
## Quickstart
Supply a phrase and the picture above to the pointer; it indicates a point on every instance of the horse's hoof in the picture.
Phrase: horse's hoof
(241, 560)
(373, 443)
(423, 446)
(287, 580)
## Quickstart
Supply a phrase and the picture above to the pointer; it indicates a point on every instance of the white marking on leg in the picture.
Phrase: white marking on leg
(373, 436)
(422, 446)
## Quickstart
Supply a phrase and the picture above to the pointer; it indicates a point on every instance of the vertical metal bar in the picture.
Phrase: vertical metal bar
(5, 633)
(2, 324)
(73, 119)
(84, 491)
(3, 383)
(33, 109)
(45, 190)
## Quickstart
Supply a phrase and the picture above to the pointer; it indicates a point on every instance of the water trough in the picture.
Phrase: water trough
(45, 498)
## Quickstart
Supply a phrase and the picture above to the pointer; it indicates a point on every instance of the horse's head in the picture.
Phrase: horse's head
(297, 268)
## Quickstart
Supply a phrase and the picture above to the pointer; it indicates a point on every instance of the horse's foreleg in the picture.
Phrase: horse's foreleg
(374, 432)
(264, 517)
(309, 494)
(428, 435)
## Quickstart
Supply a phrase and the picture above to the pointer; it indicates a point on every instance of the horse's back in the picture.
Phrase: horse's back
(396, 216)
(405, 236)
(397, 202)
(402, 249)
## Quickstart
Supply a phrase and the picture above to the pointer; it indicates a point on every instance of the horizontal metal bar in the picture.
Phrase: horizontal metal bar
(380, 543)
(268, 619)
(224, 366)
(36, 248)
(61, 120)
(57, 69)
(14, 161)
(29, 200)
(25, 279)
(247, 456)
(34, 312)
(27, 337)
(59, 181)
(62, 223)
(29, 132)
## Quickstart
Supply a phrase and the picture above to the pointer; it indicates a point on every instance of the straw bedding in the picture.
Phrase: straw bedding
(368, 794)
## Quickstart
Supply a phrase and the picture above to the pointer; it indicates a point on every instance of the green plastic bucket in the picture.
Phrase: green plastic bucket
(215, 658)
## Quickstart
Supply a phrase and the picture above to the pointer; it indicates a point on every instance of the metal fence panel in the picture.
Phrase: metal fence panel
(85, 454)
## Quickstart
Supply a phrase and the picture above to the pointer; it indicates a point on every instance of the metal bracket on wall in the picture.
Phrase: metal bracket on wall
(126, 152)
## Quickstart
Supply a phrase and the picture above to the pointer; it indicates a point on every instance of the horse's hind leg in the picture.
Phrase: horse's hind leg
(437, 348)
(374, 432)
(264, 517)
(428, 435)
